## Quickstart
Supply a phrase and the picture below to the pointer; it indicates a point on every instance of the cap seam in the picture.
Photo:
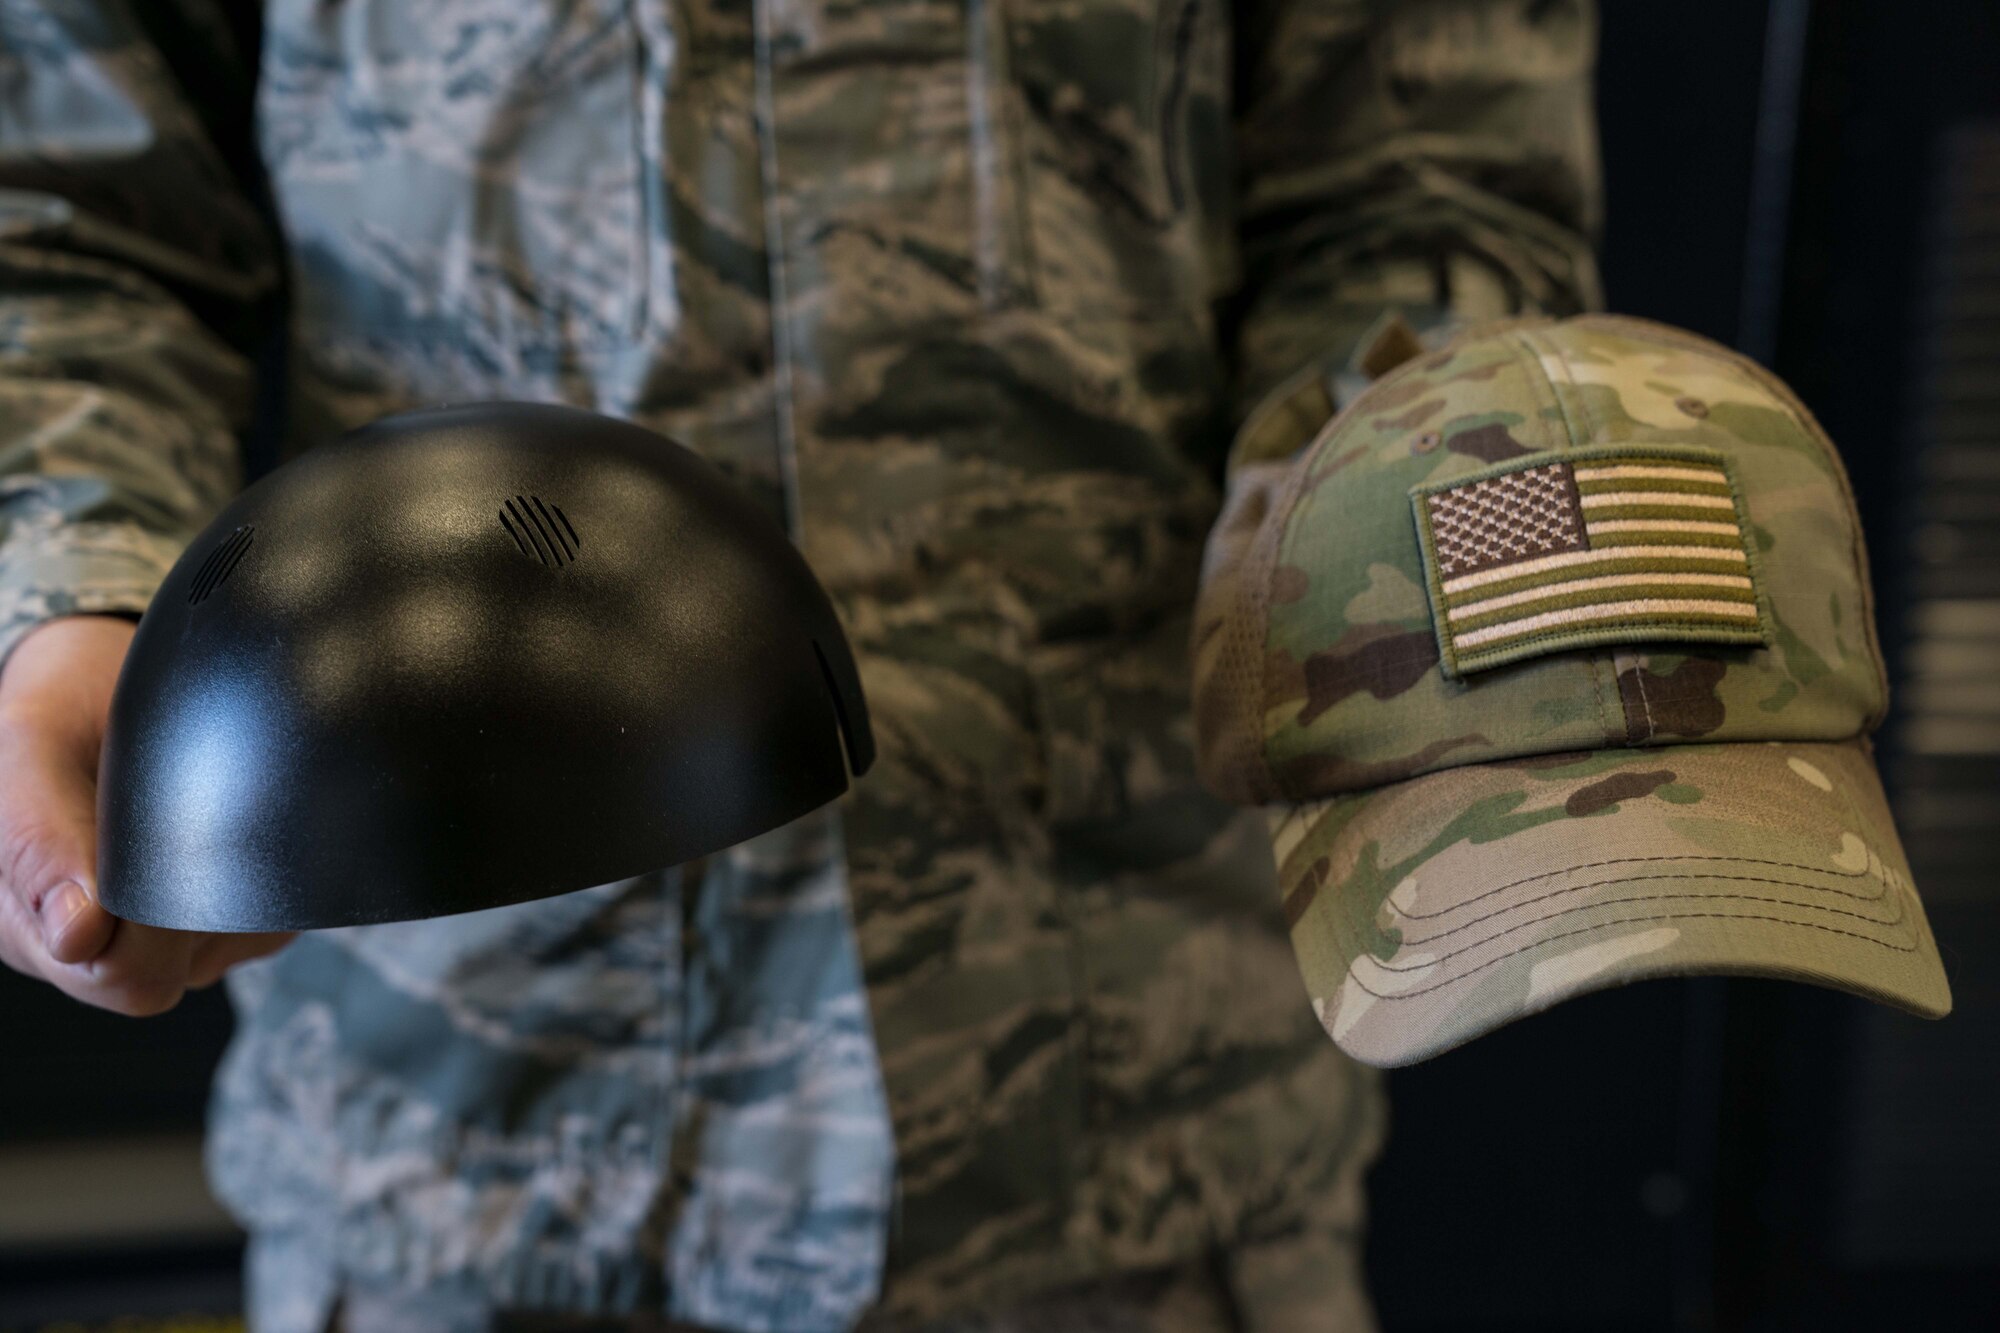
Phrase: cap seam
(1662, 333)
(1622, 732)
(1896, 920)
(1347, 937)
(1893, 884)
(1652, 728)
(1351, 937)
(1596, 663)
(1637, 860)
(1530, 339)
(1514, 337)
(1261, 563)
(1914, 948)
(1846, 799)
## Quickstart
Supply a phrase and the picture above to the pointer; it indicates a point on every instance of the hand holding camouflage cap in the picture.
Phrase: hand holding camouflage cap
(1552, 658)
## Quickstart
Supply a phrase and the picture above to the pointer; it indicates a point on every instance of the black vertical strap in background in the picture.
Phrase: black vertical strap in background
(1859, 1177)
(1777, 141)
(1696, 1259)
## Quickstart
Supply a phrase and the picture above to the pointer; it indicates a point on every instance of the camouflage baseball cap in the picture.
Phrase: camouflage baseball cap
(1552, 658)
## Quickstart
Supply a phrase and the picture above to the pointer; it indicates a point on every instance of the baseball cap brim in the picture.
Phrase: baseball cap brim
(1431, 911)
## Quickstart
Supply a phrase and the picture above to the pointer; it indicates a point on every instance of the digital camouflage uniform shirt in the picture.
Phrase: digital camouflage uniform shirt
(972, 294)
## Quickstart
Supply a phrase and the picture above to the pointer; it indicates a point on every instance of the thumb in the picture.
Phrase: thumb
(54, 694)
(48, 851)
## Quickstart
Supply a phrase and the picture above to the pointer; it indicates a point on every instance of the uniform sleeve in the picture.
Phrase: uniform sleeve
(134, 271)
(1432, 158)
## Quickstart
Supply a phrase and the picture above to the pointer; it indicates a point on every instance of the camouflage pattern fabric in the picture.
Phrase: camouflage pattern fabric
(1281, 1287)
(973, 296)
(648, 1095)
(1651, 796)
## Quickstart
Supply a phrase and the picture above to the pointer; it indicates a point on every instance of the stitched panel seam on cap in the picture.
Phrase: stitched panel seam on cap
(1610, 703)
(1809, 424)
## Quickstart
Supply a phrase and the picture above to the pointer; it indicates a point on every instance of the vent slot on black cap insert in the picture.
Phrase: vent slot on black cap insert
(540, 530)
(221, 561)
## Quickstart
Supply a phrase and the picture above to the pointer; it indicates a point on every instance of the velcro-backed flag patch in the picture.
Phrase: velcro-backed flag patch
(1625, 545)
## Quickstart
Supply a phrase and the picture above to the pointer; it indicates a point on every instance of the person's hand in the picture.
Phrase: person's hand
(55, 694)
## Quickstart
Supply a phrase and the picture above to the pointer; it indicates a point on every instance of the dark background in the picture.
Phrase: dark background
(1818, 183)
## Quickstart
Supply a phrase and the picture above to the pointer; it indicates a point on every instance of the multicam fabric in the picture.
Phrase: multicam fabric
(1469, 848)
(1443, 907)
(970, 295)
(1599, 547)
(1319, 670)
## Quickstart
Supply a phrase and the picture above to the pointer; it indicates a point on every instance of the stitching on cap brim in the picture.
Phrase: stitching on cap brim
(1829, 901)
(1899, 920)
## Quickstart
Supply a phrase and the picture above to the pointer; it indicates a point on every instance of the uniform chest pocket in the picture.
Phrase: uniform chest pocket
(1123, 127)
(462, 174)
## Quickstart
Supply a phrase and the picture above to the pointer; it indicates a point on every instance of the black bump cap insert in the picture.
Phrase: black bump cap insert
(386, 713)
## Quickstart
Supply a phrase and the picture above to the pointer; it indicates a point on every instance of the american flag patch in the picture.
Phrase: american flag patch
(1608, 547)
